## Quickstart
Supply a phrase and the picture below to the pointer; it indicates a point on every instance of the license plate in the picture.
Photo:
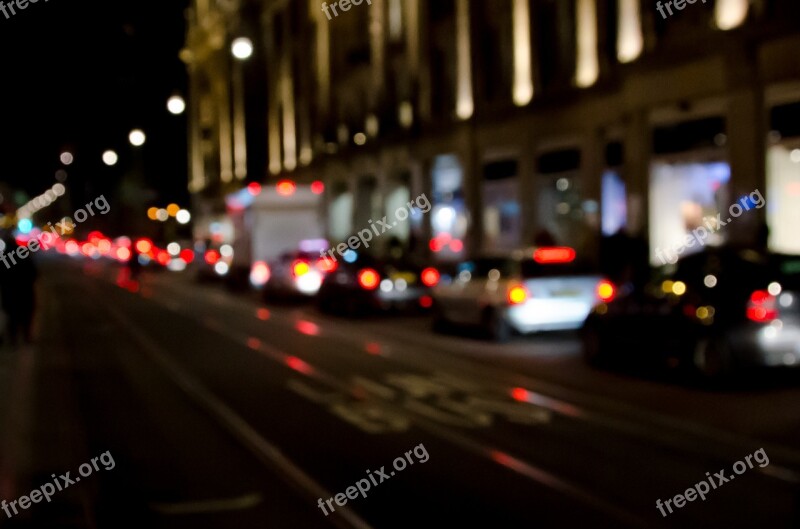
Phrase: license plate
(566, 293)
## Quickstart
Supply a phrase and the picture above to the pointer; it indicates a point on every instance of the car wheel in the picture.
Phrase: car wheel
(712, 358)
(496, 326)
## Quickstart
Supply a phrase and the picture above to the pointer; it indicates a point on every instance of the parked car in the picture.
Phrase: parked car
(361, 284)
(536, 289)
(720, 311)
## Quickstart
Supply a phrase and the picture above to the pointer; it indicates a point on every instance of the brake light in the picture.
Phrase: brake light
(430, 277)
(554, 255)
(606, 291)
(286, 188)
(761, 308)
(187, 255)
(300, 268)
(327, 265)
(144, 246)
(211, 257)
(517, 295)
(369, 279)
(259, 274)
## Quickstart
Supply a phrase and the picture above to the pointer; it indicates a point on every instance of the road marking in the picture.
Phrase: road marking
(269, 454)
(241, 503)
(630, 420)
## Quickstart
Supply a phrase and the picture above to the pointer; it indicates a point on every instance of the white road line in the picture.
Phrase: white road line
(268, 453)
(241, 503)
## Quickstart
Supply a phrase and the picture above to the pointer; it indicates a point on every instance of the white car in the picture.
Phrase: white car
(541, 289)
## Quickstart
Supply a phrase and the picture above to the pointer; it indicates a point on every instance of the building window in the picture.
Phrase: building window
(730, 14)
(587, 67)
(523, 74)
(630, 41)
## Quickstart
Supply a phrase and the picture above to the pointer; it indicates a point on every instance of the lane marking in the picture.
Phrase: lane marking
(241, 503)
(269, 454)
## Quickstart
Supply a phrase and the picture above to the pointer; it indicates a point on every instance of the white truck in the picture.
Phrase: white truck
(271, 221)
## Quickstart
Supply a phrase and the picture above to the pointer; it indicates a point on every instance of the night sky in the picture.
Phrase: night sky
(79, 75)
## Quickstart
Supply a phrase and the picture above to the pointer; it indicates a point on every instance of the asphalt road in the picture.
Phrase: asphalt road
(222, 412)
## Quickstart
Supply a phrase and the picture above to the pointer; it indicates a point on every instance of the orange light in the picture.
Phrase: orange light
(327, 265)
(144, 246)
(254, 188)
(187, 255)
(517, 295)
(300, 268)
(173, 209)
(286, 187)
(606, 291)
(263, 314)
(430, 277)
(369, 279)
(212, 257)
(123, 254)
(553, 255)
(152, 213)
(317, 187)
(426, 302)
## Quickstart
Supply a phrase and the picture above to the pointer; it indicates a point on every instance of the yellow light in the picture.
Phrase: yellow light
(701, 313)
(152, 213)
(666, 286)
(173, 209)
(679, 288)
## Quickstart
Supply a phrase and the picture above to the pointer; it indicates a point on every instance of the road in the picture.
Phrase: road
(220, 411)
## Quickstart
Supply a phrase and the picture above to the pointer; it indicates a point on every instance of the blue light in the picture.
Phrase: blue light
(350, 256)
(25, 225)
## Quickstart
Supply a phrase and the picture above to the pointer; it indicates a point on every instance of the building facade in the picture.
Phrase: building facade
(517, 118)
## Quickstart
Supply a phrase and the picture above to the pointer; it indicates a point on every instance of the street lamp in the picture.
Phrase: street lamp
(242, 48)
(110, 158)
(176, 105)
(137, 138)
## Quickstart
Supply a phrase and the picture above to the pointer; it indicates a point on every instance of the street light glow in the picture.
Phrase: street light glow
(242, 48)
(110, 158)
(66, 158)
(137, 137)
(176, 105)
(183, 216)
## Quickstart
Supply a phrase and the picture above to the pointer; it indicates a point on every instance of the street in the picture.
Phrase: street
(222, 412)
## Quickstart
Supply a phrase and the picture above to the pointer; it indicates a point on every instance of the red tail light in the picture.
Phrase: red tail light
(163, 257)
(554, 255)
(430, 277)
(300, 268)
(211, 257)
(761, 308)
(517, 295)
(369, 279)
(606, 291)
(187, 255)
(327, 265)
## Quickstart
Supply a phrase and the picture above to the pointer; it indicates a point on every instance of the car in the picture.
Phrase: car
(532, 290)
(294, 275)
(718, 312)
(362, 284)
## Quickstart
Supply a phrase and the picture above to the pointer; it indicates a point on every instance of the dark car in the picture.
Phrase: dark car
(362, 284)
(721, 311)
